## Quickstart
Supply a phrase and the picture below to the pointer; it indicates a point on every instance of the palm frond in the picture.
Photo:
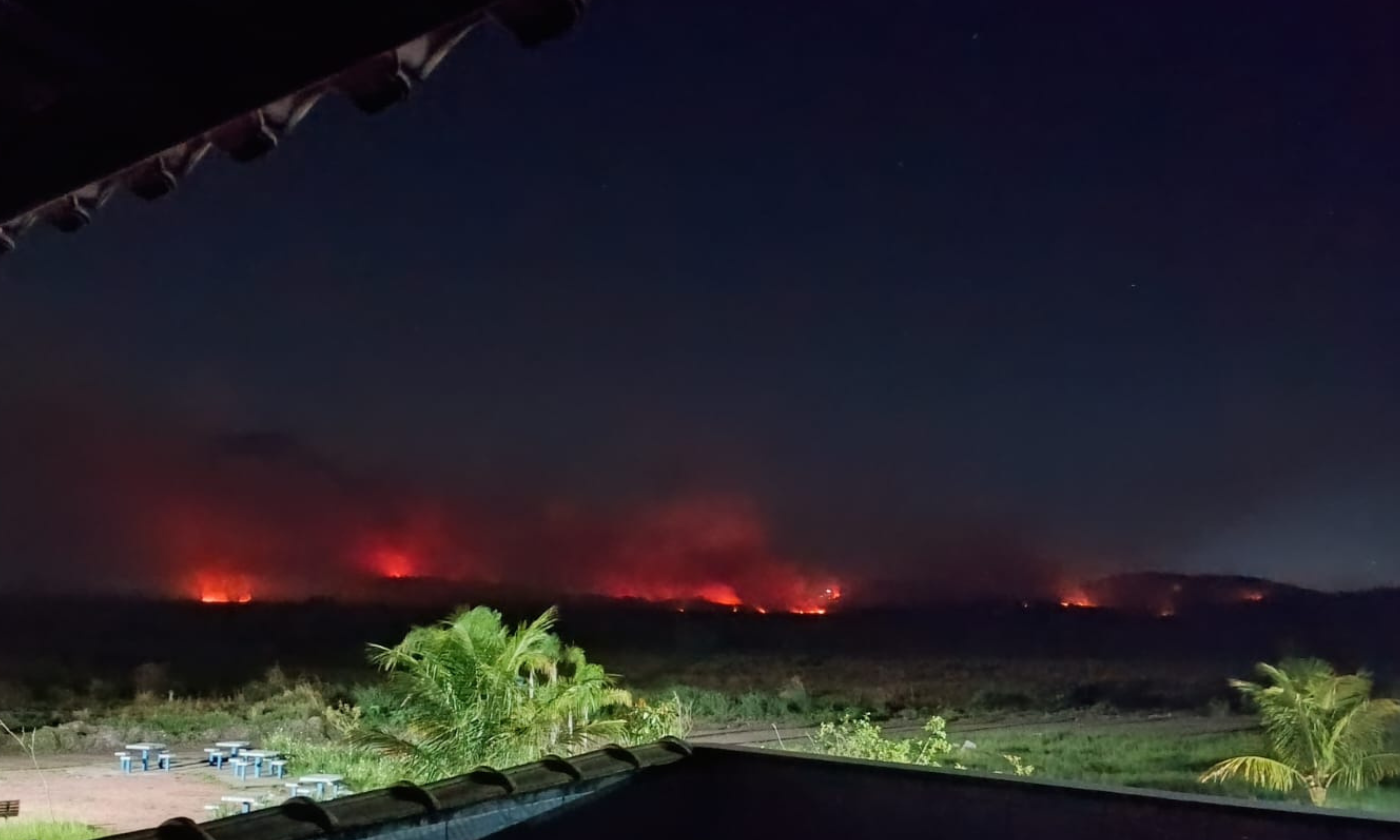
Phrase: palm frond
(1381, 766)
(1256, 770)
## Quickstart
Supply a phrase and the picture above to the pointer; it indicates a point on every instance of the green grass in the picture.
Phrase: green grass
(710, 707)
(32, 830)
(362, 768)
(1151, 761)
(258, 711)
(921, 685)
(1159, 761)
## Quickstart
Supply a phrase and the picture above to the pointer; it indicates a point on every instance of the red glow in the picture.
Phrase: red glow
(223, 589)
(1253, 596)
(393, 564)
(1076, 598)
(224, 598)
(725, 595)
(719, 593)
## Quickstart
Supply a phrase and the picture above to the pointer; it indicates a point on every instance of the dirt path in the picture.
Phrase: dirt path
(90, 789)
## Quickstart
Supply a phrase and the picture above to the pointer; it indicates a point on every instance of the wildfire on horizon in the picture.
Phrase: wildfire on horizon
(223, 589)
(725, 595)
(393, 564)
(1077, 598)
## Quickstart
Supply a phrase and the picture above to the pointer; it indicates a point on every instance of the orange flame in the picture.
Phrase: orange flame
(393, 564)
(1077, 598)
(223, 589)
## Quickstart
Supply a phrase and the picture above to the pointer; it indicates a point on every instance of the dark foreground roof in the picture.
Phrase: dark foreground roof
(102, 95)
(672, 790)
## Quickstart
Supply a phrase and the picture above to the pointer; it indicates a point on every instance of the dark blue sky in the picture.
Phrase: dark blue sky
(932, 288)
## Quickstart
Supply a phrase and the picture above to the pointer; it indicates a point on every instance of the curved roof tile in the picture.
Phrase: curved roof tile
(100, 97)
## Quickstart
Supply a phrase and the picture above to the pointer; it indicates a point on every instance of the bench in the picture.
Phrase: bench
(245, 803)
(9, 808)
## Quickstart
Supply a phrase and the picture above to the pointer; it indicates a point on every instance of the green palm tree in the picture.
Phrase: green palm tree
(472, 691)
(1324, 730)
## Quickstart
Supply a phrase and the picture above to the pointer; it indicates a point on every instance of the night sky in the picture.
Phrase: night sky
(976, 297)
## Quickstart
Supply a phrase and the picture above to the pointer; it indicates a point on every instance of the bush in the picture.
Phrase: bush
(293, 709)
(860, 738)
(647, 722)
(363, 768)
(792, 704)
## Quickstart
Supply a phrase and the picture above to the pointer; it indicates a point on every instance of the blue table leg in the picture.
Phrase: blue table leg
(145, 761)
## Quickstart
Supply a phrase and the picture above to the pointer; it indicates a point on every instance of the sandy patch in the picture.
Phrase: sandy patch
(93, 790)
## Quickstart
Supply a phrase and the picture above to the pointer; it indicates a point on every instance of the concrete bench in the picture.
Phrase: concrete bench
(240, 767)
(124, 758)
(164, 760)
(244, 803)
(277, 767)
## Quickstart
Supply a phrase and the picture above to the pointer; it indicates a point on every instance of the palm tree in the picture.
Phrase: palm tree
(471, 691)
(1324, 729)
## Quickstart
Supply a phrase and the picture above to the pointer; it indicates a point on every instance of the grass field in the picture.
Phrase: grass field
(30, 830)
(1147, 723)
(786, 687)
(1167, 757)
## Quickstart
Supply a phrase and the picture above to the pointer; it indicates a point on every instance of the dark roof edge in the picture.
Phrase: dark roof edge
(1053, 787)
(372, 82)
(301, 819)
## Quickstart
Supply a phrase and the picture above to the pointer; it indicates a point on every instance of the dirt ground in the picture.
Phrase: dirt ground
(92, 790)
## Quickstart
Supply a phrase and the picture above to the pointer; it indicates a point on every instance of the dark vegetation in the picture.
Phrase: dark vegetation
(69, 655)
(296, 676)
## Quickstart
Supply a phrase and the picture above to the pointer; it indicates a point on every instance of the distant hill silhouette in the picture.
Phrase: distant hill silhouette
(1166, 593)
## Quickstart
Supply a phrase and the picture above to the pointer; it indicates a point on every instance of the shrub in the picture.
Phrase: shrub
(860, 738)
(647, 722)
(472, 691)
(363, 768)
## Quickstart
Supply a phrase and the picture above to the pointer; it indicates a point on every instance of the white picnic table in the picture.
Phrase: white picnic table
(232, 746)
(146, 748)
(258, 756)
(320, 780)
(245, 803)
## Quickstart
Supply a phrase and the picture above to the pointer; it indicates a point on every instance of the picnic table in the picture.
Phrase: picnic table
(146, 749)
(244, 803)
(258, 756)
(232, 746)
(320, 780)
